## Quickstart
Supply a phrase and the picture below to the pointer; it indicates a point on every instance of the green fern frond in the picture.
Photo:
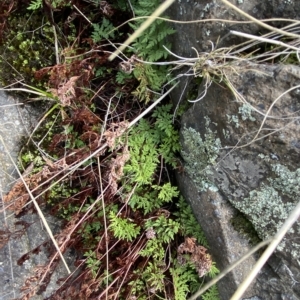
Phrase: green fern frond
(165, 229)
(214, 271)
(211, 294)
(122, 228)
(188, 223)
(103, 31)
(153, 249)
(183, 276)
(34, 5)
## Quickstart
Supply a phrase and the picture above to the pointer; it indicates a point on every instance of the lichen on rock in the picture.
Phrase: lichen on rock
(270, 205)
(200, 154)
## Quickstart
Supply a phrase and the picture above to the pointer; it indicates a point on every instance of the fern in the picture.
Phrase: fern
(211, 294)
(121, 77)
(149, 47)
(34, 5)
(143, 158)
(148, 198)
(150, 77)
(188, 223)
(213, 270)
(138, 288)
(183, 276)
(166, 192)
(168, 134)
(103, 31)
(92, 262)
(154, 277)
(123, 229)
(165, 229)
(148, 141)
(153, 249)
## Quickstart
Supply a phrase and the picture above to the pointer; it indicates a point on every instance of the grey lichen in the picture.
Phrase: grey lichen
(233, 119)
(287, 182)
(269, 206)
(266, 210)
(246, 112)
(199, 155)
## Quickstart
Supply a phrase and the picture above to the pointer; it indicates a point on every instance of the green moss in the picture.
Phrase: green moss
(28, 47)
(200, 154)
(245, 228)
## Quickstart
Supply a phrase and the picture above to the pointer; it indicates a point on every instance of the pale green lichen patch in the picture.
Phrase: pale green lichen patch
(246, 112)
(266, 210)
(199, 155)
(287, 182)
(269, 206)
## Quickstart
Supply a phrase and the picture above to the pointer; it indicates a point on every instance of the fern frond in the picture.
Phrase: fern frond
(188, 222)
(164, 228)
(103, 31)
(211, 294)
(183, 276)
(122, 228)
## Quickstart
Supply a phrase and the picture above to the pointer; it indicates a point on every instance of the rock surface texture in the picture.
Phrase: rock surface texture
(19, 236)
(241, 151)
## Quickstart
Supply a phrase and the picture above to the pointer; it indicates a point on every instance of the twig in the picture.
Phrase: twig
(261, 39)
(82, 13)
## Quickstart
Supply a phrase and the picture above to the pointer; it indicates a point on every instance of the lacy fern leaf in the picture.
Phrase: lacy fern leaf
(122, 228)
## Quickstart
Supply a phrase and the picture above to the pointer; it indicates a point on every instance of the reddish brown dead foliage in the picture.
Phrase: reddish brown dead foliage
(197, 255)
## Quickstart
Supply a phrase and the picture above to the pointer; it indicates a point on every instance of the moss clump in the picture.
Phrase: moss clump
(28, 46)
(200, 154)
(245, 228)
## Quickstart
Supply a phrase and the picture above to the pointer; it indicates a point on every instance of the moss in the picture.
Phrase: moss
(245, 228)
(28, 47)
(200, 154)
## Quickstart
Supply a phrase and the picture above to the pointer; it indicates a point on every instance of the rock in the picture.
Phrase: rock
(229, 171)
(16, 121)
(259, 178)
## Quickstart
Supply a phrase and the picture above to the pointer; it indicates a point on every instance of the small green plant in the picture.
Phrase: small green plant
(105, 30)
(34, 5)
(92, 262)
(123, 228)
(188, 223)
(37, 4)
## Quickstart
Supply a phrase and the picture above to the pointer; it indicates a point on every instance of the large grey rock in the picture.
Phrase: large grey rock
(259, 178)
(16, 238)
